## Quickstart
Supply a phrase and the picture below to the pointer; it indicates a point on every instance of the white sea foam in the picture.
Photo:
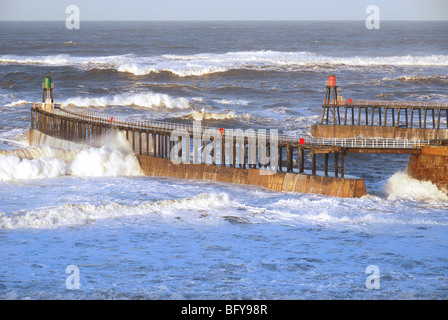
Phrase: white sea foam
(87, 163)
(432, 96)
(402, 187)
(204, 64)
(177, 68)
(67, 60)
(16, 103)
(53, 60)
(353, 213)
(146, 100)
(196, 208)
(239, 102)
(114, 158)
(104, 162)
(417, 78)
(208, 63)
(15, 168)
(207, 115)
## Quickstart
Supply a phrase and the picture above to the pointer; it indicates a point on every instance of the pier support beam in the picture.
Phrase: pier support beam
(289, 160)
(336, 165)
(313, 163)
(301, 160)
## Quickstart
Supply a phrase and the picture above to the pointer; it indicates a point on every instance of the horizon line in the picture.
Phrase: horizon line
(219, 20)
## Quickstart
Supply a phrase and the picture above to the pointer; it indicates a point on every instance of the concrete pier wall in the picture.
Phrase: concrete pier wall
(280, 181)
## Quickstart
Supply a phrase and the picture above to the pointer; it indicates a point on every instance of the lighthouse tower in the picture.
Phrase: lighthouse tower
(47, 98)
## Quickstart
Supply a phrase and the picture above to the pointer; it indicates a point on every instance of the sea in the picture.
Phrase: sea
(94, 227)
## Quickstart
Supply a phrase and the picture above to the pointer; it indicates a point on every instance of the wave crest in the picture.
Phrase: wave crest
(209, 63)
(146, 100)
(206, 115)
(68, 215)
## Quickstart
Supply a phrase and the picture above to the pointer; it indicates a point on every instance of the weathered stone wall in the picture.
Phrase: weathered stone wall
(430, 165)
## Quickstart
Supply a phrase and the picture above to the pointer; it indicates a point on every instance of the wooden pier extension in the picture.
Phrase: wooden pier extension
(422, 120)
(386, 119)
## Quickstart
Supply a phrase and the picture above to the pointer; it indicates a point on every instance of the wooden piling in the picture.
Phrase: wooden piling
(336, 165)
(301, 160)
(289, 159)
(313, 162)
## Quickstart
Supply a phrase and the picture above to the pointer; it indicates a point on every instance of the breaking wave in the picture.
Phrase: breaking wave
(206, 115)
(402, 187)
(77, 214)
(420, 77)
(90, 162)
(112, 159)
(209, 63)
(145, 100)
(435, 78)
(238, 102)
(16, 168)
(16, 103)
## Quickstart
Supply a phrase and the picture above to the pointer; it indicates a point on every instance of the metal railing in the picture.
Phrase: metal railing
(401, 104)
(282, 139)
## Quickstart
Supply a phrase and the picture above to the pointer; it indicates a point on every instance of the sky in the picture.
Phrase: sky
(224, 9)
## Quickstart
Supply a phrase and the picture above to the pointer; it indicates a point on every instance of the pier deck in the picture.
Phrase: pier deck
(232, 148)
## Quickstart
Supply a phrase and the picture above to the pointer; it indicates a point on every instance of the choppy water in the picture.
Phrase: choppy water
(137, 237)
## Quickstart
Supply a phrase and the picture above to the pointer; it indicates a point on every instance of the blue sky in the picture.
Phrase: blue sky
(224, 9)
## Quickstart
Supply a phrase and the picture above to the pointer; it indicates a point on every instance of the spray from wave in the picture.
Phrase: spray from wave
(16, 168)
(104, 162)
(114, 158)
(402, 187)
(90, 162)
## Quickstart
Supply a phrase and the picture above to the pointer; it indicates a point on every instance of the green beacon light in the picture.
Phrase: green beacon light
(47, 82)
(47, 99)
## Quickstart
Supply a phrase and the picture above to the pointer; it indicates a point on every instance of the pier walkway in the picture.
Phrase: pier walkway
(345, 118)
(403, 114)
(214, 146)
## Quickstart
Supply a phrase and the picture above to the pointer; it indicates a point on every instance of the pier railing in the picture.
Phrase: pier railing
(140, 124)
(211, 145)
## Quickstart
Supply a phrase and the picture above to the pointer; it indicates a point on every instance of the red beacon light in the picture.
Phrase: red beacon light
(332, 80)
